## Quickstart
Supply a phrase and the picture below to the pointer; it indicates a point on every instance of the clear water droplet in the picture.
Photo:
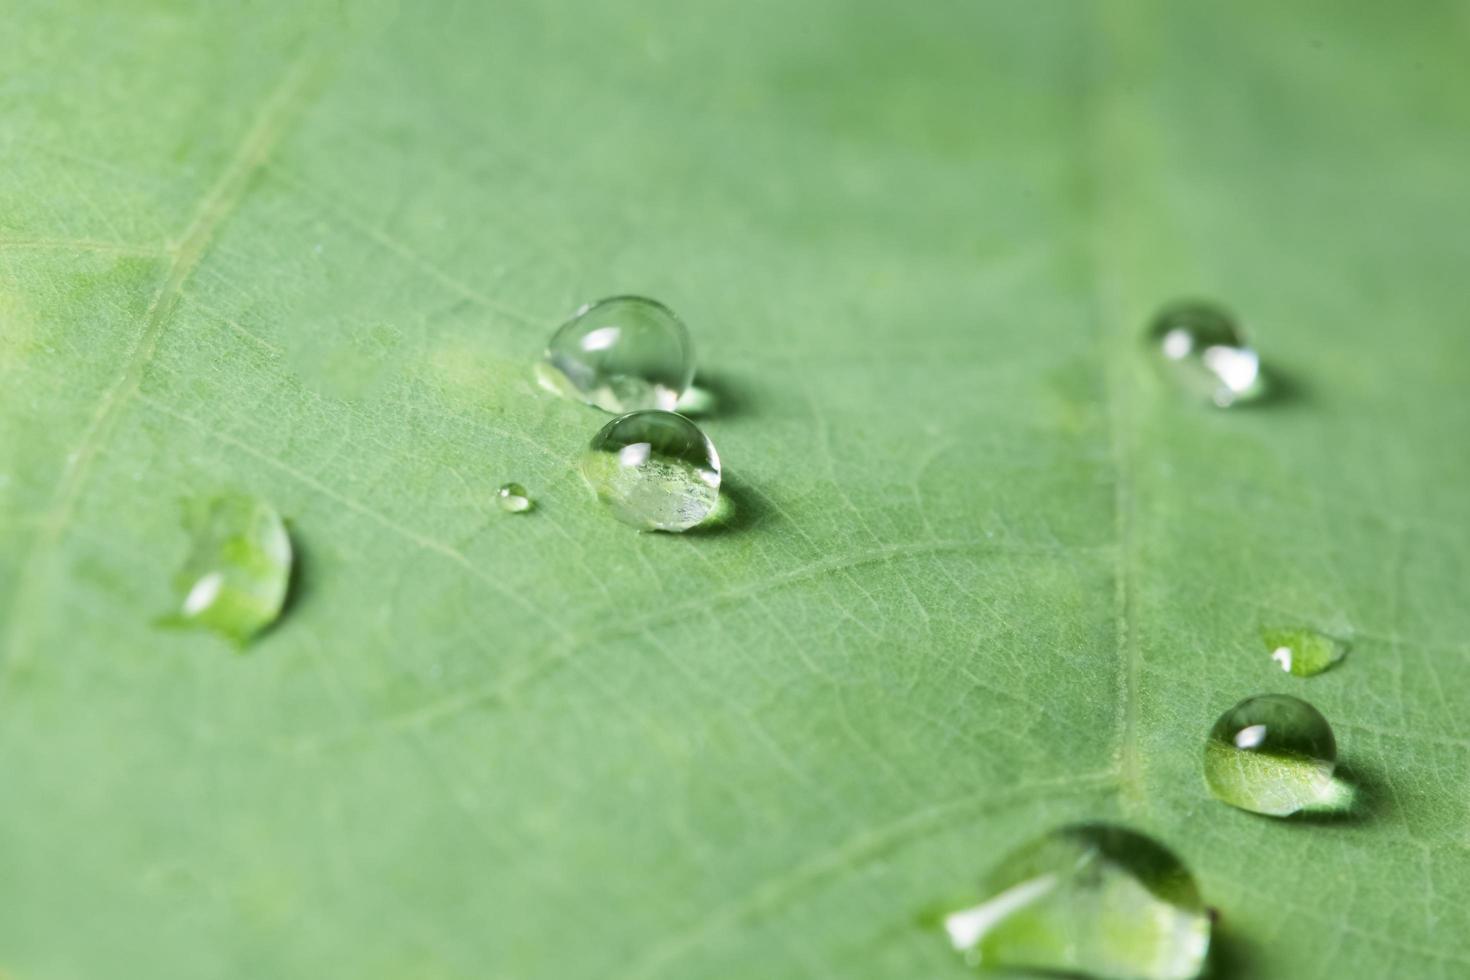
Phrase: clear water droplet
(1205, 353)
(238, 569)
(1091, 900)
(513, 499)
(621, 354)
(1274, 754)
(656, 470)
(1301, 651)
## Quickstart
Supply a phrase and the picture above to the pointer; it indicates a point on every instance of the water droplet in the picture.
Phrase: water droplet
(1301, 651)
(513, 499)
(1205, 352)
(620, 354)
(1091, 900)
(235, 577)
(1274, 754)
(656, 470)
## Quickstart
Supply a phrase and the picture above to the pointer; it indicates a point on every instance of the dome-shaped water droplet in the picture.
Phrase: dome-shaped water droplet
(1092, 900)
(1204, 352)
(620, 354)
(656, 470)
(513, 499)
(235, 577)
(1273, 754)
(1300, 651)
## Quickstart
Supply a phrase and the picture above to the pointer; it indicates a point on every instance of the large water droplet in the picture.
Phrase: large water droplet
(620, 354)
(235, 577)
(1302, 651)
(1091, 900)
(656, 470)
(1274, 754)
(513, 499)
(1204, 351)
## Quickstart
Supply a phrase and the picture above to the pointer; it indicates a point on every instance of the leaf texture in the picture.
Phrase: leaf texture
(985, 573)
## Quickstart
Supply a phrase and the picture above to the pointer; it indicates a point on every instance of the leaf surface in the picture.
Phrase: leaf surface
(985, 572)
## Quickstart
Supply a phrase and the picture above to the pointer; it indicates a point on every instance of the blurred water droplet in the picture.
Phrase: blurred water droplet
(1091, 900)
(1301, 651)
(1204, 351)
(620, 354)
(513, 499)
(238, 569)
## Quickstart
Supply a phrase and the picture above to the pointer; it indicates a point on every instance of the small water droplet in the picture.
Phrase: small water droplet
(1204, 351)
(1300, 651)
(1274, 754)
(513, 498)
(656, 470)
(621, 354)
(238, 569)
(1090, 900)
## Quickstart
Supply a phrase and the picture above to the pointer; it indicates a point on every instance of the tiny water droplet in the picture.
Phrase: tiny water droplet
(1205, 353)
(1301, 651)
(656, 470)
(1274, 754)
(621, 354)
(1089, 900)
(513, 498)
(238, 569)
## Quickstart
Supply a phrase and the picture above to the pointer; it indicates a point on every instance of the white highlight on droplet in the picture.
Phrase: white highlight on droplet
(968, 927)
(1237, 367)
(601, 339)
(1282, 655)
(203, 594)
(634, 453)
(1177, 344)
(1250, 737)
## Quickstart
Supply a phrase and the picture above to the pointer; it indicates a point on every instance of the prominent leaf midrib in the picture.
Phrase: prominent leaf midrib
(1098, 167)
(1125, 777)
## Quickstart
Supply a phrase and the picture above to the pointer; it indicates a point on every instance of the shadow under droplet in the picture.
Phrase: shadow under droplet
(738, 510)
(711, 396)
(295, 581)
(1278, 387)
(1230, 957)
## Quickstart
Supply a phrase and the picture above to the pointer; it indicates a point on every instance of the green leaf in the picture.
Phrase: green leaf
(986, 573)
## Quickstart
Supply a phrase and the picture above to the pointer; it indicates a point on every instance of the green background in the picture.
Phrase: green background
(985, 573)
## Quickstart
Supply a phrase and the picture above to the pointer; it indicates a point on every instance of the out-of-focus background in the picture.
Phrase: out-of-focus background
(985, 573)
